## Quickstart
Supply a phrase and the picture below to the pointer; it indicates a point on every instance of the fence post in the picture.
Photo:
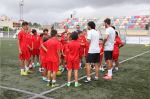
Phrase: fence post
(8, 32)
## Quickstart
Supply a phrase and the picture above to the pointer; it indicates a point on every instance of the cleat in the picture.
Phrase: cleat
(37, 64)
(23, 73)
(49, 84)
(55, 85)
(87, 81)
(77, 85)
(95, 79)
(29, 71)
(107, 77)
(68, 84)
(44, 79)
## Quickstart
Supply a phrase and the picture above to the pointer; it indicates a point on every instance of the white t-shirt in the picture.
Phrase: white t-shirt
(109, 45)
(94, 37)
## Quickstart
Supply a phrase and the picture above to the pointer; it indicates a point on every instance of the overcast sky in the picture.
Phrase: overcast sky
(48, 11)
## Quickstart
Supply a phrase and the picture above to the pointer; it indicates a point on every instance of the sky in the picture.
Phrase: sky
(49, 11)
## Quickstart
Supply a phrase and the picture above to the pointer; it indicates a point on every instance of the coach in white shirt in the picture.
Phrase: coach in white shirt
(109, 47)
(94, 51)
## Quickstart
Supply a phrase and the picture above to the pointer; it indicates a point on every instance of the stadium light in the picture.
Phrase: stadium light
(21, 5)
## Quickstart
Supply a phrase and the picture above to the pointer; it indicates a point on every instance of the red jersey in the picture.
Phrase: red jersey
(117, 43)
(65, 49)
(74, 50)
(53, 46)
(82, 41)
(42, 54)
(63, 37)
(36, 41)
(22, 37)
(29, 40)
(101, 49)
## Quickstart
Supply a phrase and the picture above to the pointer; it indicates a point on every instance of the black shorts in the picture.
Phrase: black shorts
(108, 55)
(93, 58)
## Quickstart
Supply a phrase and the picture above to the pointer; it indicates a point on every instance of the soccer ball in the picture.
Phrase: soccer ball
(58, 73)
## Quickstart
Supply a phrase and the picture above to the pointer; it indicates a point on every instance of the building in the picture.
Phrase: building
(5, 21)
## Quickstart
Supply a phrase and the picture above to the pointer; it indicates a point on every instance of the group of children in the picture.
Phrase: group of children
(53, 51)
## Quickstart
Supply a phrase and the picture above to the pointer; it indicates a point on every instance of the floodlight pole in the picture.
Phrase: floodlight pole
(21, 5)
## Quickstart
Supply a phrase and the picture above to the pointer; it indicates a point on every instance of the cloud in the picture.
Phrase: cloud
(48, 11)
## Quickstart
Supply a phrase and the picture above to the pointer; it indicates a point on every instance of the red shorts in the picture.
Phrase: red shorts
(73, 65)
(115, 57)
(52, 66)
(35, 52)
(25, 55)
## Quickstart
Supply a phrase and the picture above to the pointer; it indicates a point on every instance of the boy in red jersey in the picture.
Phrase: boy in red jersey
(52, 49)
(63, 34)
(43, 59)
(118, 43)
(73, 58)
(36, 47)
(101, 54)
(30, 47)
(65, 51)
(43, 36)
(24, 54)
(82, 41)
(45, 32)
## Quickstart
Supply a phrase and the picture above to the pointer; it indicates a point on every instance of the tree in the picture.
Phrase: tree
(30, 24)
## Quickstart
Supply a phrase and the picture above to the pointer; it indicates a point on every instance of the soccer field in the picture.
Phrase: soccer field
(132, 81)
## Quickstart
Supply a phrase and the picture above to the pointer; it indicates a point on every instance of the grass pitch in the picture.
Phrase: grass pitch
(131, 82)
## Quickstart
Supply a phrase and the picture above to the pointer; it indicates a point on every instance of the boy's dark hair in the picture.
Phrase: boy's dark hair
(92, 25)
(79, 32)
(116, 33)
(113, 27)
(108, 21)
(53, 33)
(41, 35)
(45, 38)
(74, 36)
(45, 30)
(101, 39)
(25, 23)
(34, 31)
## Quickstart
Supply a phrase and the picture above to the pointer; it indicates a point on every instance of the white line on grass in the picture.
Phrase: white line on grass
(54, 89)
(24, 91)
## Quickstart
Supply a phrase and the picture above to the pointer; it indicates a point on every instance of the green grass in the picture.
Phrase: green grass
(7, 94)
(131, 82)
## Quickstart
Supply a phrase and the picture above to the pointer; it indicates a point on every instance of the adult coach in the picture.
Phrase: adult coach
(94, 51)
(109, 47)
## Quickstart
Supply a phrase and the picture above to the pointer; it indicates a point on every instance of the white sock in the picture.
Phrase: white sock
(89, 78)
(44, 77)
(76, 82)
(53, 81)
(116, 68)
(22, 70)
(96, 77)
(69, 82)
(27, 68)
(110, 72)
(48, 80)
